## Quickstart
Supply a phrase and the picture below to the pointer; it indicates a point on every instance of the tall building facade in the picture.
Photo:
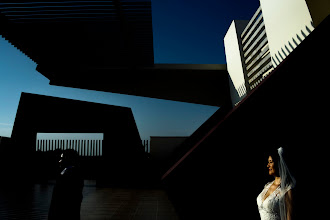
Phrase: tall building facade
(256, 56)
(255, 47)
(235, 62)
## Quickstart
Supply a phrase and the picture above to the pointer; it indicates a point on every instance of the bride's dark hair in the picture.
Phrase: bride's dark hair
(272, 151)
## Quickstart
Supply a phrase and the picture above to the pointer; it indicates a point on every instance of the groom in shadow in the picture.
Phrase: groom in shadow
(67, 193)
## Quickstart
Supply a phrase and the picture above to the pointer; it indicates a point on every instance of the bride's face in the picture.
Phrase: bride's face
(270, 165)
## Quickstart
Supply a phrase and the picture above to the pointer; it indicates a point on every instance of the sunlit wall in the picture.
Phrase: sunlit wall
(287, 23)
(233, 58)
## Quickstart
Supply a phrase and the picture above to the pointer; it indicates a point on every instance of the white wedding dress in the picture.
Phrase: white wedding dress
(269, 208)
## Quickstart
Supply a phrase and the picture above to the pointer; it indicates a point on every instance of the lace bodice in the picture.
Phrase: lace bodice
(269, 208)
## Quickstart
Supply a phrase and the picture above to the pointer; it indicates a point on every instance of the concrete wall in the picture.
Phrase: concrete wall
(234, 58)
(287, 23)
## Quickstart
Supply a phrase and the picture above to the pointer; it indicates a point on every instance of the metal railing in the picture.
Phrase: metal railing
(83, 147)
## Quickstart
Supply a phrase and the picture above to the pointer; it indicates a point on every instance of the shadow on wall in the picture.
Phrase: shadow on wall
(282, 54)
(227, 170)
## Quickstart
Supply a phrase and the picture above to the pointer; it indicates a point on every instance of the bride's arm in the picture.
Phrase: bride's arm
(288, 205)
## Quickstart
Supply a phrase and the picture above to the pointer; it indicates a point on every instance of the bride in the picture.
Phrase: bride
(275, 200)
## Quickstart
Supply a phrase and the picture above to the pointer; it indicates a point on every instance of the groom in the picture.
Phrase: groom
(67, 193)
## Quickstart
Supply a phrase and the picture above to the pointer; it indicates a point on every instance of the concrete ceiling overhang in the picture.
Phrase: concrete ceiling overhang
(205, 84)
(105, 46)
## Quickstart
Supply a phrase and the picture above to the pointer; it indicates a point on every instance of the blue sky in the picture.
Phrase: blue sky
(185, 31)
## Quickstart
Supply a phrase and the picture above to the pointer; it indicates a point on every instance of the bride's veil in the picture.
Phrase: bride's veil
(288, 182)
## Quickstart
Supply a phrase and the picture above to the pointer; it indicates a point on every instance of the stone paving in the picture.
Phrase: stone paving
(99, 203)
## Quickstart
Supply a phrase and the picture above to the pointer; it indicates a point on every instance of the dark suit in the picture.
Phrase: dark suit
(67, 195)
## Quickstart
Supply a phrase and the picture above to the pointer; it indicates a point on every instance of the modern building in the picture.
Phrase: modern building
(235, 63)
(256, 54)
(254, 48)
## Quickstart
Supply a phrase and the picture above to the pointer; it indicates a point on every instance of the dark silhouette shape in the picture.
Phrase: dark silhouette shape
(285, 55)
(295, 42)
(309, 31)
(287, 49)
(280, 55)
(67, 194)
(274, 61)
(299, 38)
(110, 52)
(277, 59)
(291, 45)
(122, 158)
(303, 33)
(119, 45)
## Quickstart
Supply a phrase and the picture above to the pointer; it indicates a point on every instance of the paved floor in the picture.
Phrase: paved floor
(99, 203)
